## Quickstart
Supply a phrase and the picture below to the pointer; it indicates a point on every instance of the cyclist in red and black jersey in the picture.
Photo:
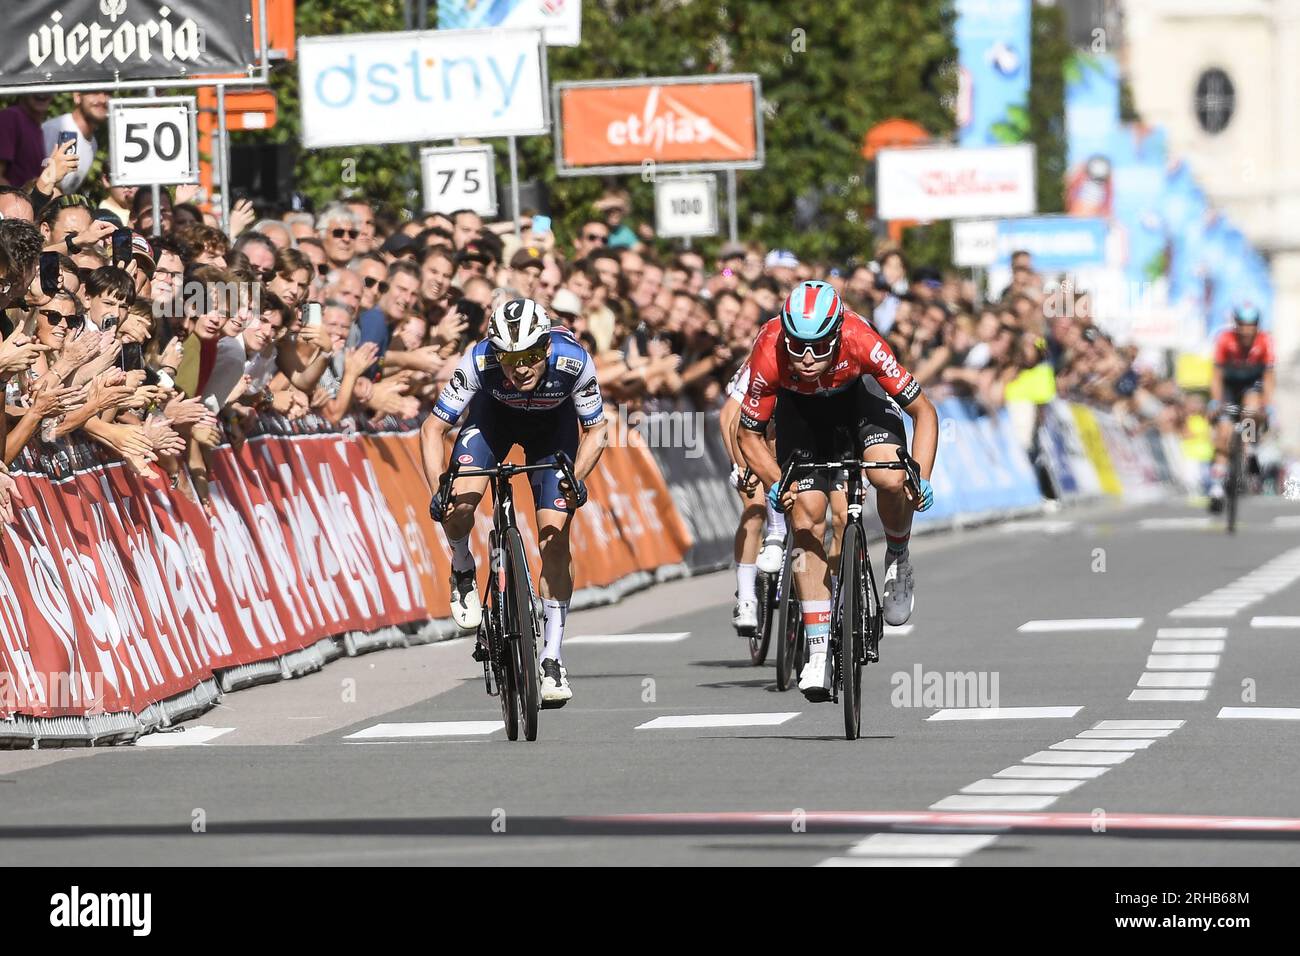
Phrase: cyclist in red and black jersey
(835, 390)
(1243, 377)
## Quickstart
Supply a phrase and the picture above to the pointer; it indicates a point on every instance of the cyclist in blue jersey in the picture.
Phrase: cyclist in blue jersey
(531, 385)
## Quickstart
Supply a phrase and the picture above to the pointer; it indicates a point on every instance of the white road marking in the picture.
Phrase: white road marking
(1082, 624)
(1174, 524)
(1006, 802)
(1047, 526)
(1003, 713)
(1275, 622)
(196, 736)
(888, 861)
(901, 630)
(1123, 734)
(1188, 647)
(438, 728)
(1122, 744)
(1260, 713)
(992, 785)
(1138, 696)
(1173, 662)
(688, 721)
(1203, 612)
(1138, 724)
(1287, 521)
(1094, 759)
(1051, 772)
(921, 844)
(1176, 679)
(1195, 633)
(671, 637)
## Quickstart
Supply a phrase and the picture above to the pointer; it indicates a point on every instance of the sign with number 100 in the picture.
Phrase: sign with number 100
(459, 177)
(153, 141)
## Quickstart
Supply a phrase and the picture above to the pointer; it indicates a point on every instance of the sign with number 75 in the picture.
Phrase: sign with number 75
(459, 177)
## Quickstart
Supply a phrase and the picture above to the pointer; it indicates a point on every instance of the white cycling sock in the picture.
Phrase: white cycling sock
(775, 523)
(745, 577)
(554, 614)
(461, 559)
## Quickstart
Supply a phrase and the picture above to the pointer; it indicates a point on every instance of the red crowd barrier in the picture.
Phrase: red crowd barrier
(118, 592)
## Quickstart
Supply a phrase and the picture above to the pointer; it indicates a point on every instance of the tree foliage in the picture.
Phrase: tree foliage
(1051, 52)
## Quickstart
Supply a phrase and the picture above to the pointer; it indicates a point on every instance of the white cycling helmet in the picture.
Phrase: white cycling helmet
(517, 325)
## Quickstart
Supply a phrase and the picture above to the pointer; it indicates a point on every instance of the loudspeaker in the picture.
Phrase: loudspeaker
(264, 173)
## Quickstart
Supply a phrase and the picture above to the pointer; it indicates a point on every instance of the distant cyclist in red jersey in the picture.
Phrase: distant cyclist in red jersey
(835, 390)
(1243, 377)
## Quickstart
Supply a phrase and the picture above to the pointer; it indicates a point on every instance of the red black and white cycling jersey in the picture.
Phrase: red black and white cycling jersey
(861, 351)
(1242, 365)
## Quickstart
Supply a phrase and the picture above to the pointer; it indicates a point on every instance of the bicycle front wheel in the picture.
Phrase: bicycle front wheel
(852, 633)
(501, 647)
(761, 639)
(522, 628)
(1235, 456)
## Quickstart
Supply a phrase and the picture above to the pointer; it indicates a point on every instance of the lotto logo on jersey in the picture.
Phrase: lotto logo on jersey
(888, 364)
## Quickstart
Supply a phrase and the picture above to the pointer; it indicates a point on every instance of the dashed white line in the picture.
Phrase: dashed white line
(1176, 679)
(1201, 645)
(1275, 622)
(699, 721)
(1123, 744)
(1051, 772)
(1139, 724)
(1051, 786)
(1003, 713)
(1006, 802)
(420, 729)
(1175, 662)
(1148, 695)
(921, 844)
(1094, 759)
(1122, 734)
(1193, 633)
(1081, 624)
(1260, 713)
(889, 861)
(671, 637)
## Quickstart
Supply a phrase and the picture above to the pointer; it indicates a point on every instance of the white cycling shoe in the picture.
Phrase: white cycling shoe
(466, 610)
(555, 682)
(897, 596)
(745, 616)
(815, 678)
(772, 556)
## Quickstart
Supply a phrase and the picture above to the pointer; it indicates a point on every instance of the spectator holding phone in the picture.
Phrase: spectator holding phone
(89, 114)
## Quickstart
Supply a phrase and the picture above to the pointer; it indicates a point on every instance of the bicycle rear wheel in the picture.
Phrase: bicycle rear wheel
(761, 639)
(852, 631)
(1235, 455)
(789, 621)
(522, 629)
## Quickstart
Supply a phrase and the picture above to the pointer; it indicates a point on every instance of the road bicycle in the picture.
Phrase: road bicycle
(857, 617)
(511, 627)
(766, 593)
(1239, 475)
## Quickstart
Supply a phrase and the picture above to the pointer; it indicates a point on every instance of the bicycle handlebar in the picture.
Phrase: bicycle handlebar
(506, 471)
(799, 466)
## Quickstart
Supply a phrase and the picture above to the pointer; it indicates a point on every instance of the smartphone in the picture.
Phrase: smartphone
(165, 380)
(50, 273)
(67, 136)
(131, 358)
(121, 246)
(541, 225)
(310, 313)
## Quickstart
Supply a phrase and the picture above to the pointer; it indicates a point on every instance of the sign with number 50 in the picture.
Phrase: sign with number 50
(153, 140)
(459, 177)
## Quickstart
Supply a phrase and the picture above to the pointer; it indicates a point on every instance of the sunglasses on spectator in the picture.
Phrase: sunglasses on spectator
(323, 269)
(55, 317)
(595, 237)
(819, 348)
(529, 356)
(371, 282)
(340, 233)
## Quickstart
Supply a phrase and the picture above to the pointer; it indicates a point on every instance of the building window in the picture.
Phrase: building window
(1215, 100)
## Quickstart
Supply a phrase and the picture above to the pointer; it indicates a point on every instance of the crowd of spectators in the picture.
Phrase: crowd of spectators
(160, 355)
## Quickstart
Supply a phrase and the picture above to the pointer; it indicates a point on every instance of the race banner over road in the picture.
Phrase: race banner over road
(611, 126)
(105, 40)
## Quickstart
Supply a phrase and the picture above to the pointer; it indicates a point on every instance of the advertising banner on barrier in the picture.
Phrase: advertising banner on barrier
(697, 479)
(360, 88)
(944, 182)
(979, 467)
(117, 591)
(1094, 447)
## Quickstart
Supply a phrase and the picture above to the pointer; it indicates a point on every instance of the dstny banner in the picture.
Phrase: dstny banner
(105, 40)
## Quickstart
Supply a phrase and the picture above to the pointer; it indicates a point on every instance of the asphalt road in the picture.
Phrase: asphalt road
(367, 762)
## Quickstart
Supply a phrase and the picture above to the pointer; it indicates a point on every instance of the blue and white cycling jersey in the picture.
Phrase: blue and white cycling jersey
(570, 373)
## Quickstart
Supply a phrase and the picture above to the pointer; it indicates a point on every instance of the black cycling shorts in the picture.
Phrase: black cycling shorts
(834, 426)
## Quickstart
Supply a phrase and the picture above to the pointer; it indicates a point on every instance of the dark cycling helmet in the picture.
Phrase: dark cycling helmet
(1246, 315)
(812, 311)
